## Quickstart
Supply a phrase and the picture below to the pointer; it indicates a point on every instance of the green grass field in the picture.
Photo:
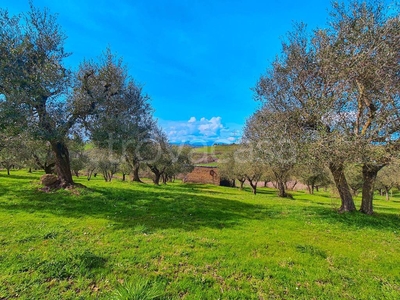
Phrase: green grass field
(121, 240)
(216, 149)
(215, 152)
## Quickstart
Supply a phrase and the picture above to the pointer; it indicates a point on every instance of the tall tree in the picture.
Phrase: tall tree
(33, 79)
(298, 85)
(38, 94)
(362, 49)
(123, 122)
(344, 83)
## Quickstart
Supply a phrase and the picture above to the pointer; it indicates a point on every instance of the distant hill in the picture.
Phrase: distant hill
(209, 155)
(200, 144)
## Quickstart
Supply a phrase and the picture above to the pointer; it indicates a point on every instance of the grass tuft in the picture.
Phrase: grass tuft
(139, 289)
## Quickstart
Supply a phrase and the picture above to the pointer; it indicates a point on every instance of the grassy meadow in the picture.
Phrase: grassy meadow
(123, 240)
(202, 155)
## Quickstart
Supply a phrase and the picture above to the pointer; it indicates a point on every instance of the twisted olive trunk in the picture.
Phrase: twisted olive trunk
(63, 168)
(135, 173)
(281, 189)
(369, 171)
(241, 180)
(337, 170)
(253, 184)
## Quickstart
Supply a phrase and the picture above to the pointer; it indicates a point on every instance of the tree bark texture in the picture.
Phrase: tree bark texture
(387, 190)
(48, 169)
(281, 189)
(89, 174)
(135, 173)
(387, 193)
(369, 171)
(63, 168)
(241, 184)
(156, 179)
(337, 170)
(157, 173)
(253, 185)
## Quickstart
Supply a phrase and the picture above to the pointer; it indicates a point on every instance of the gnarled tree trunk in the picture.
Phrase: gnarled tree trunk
(281, 189)
(89, 174)
(280, 183)
(157, 173)
(241, 180)
(63, 168)
(48, 169)
(135, 173)
(369, 172)
(157, 176)
(310, 189)
(337, 170)
(387, 190)
(253, 184)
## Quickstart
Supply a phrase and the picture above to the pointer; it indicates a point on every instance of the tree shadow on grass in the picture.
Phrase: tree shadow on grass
(157, 208)
(3, 190)
(188, 207)
(28, 176)
(385, 219)
(265, 191)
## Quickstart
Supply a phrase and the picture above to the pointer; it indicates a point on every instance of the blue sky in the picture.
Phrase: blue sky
(198, 60)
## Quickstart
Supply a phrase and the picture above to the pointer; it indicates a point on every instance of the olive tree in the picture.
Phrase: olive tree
(77, 152)
(123, 122)
(39, 95)
(388, 178)
(181, 162)
(34, 81)
(156, 154)
(103, 161)
(296, 84)
(313, 174)
(14, 153)
(230, 167)
(343, 81)
(40, 155)
(361, 48)
(275, 140)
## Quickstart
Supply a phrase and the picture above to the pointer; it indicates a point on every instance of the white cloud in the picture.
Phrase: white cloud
(210, 127)
(206, 131)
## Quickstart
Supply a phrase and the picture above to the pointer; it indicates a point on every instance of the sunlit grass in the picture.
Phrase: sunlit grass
(192, 242)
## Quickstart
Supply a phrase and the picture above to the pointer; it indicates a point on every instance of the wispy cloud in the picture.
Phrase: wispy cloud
(201, 131)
